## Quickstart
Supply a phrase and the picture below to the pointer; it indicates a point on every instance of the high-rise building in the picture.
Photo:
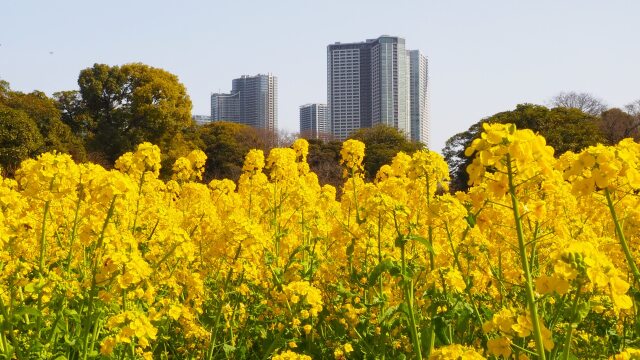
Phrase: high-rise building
(253, 101)
(348, 87)
(225, 107)
(389, 84)
(419, 81)
(314, 123)
(368, 83)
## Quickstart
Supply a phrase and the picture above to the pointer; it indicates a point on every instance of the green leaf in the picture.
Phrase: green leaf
(27, 310)
(422, 241)
(71, 341)
(385, 266)
(228, 349)
(350, 248)
(583, 310)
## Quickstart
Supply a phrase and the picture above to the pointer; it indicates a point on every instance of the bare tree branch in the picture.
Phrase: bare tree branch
(585, 102)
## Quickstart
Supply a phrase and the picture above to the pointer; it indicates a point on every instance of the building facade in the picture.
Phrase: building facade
(225, 107)
(348, 88)
(314, 122)
(419, 85)
(253, 101)
(368, 83)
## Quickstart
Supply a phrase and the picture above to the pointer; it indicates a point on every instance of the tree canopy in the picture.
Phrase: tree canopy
(226, 144)
(30, 124)
(19, 138)
(617, 124)
(129, 104)
(564, 128)
(382, 144)
(324, 161)
(56, 134)
(584, 102)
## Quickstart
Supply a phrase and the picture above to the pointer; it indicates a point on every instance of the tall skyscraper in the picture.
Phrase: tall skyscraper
(225, 107)
(314, 123)
(253, 101)
(389, 84)
(368, 83)
(419, 81)
(348, 87)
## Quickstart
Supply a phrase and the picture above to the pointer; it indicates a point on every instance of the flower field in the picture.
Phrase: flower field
(538, 260)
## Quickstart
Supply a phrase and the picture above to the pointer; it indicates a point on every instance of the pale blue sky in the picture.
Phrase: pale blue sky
(484, 56)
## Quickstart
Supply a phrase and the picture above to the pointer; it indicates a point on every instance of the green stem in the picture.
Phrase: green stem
(276, 229)
(214, 334)
(43, 237)
(569, 328)
(621, 237)
(135, 218)
(74, 232)
(408, 295)
(9, 326)
(94, 285)
(431, 337)
(533, 309)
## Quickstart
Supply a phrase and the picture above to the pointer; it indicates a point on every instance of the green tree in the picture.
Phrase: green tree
(564, 128)
(226, 145)
(453, 153)
(43, 111)
(382, 144)
(19, 138)
(4, 89)
(130, 104)
(75, 114)
(324, 161)
(569, 129)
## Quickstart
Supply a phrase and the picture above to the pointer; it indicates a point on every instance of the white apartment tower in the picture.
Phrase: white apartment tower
(369, 83)
(253, 101)
(314, 122)
(419, 82)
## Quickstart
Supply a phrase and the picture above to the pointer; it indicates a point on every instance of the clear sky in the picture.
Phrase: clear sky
(484, 56)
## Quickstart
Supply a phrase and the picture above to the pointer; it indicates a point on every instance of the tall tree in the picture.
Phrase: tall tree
(324, 161)
(584, 102)
(133, 103)
(226, 145)
(453, 153)
(44, 112)
(617, 124)
(633, 108)
(564, 128)
(382, 143)
(74, 113)
(19, 138)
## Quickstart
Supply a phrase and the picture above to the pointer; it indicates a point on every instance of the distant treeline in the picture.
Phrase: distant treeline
(118, 107)
(573, 122)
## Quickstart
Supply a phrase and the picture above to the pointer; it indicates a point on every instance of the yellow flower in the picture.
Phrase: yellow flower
(290, 355)
(107, 345)
(348, 348)
(499, 347)
(455, 351)
(523, 327)
(352, 154)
